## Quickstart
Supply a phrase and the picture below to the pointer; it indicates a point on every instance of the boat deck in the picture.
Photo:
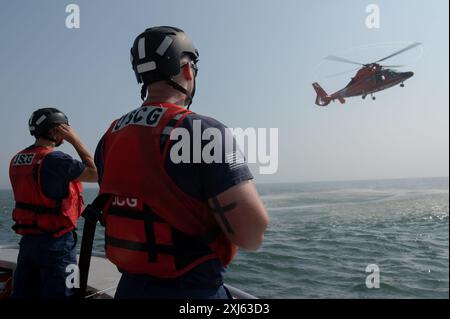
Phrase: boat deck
(103, 275)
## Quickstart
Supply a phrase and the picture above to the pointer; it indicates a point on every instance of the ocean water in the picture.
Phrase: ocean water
(323, 235)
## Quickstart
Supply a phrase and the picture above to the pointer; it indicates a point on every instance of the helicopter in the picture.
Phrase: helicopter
(370, 78)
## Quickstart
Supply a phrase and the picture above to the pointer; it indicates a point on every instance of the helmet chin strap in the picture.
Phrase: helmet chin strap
(189, 96)
(176, 86)
(144, 91)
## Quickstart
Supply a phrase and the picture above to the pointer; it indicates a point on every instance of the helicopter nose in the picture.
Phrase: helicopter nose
(407, 75)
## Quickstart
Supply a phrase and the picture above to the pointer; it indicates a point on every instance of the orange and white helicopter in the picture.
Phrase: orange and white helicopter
(370, 78)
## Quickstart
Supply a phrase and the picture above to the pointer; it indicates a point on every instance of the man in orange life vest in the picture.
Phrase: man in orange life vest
(47, 191)
(171, 228)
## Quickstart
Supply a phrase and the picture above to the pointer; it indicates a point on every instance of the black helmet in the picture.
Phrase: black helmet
(156, 54)
(43, 120)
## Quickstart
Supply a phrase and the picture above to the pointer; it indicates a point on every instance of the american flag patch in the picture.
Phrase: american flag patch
(235, 160)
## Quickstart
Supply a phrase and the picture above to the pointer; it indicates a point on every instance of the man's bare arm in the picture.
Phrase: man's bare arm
(241, 214)
(90, 172)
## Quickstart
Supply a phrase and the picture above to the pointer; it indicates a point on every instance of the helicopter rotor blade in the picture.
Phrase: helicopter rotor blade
(341, 73)
(393, 66)
(409, 47)
(338, 59)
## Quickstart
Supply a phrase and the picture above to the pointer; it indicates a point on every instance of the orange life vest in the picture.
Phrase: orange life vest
(35, 213)
(152, 226)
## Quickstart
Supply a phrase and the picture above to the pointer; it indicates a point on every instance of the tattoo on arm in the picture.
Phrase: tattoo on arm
(221, 210)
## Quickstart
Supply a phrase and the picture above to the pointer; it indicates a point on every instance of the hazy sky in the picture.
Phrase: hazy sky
(257, 62)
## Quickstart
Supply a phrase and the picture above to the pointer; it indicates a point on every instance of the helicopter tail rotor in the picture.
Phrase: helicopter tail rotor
(322, 99)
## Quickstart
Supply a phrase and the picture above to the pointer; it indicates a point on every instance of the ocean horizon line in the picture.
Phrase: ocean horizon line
(88, 186)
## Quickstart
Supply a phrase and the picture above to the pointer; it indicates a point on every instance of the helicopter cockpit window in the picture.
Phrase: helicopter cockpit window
(390, 73)
(379, 78)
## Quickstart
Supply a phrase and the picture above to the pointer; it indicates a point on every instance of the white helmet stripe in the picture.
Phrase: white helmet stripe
(165, 44)
(145, 67)
(41, 119)
(141, 48)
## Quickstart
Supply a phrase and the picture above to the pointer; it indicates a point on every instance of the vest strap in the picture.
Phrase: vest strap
(185, 248)
(92, 214)
(39, 209)
(35, 227)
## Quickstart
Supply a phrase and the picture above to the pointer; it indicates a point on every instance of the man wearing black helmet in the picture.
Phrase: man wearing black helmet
(172, 228)
(48, 202)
